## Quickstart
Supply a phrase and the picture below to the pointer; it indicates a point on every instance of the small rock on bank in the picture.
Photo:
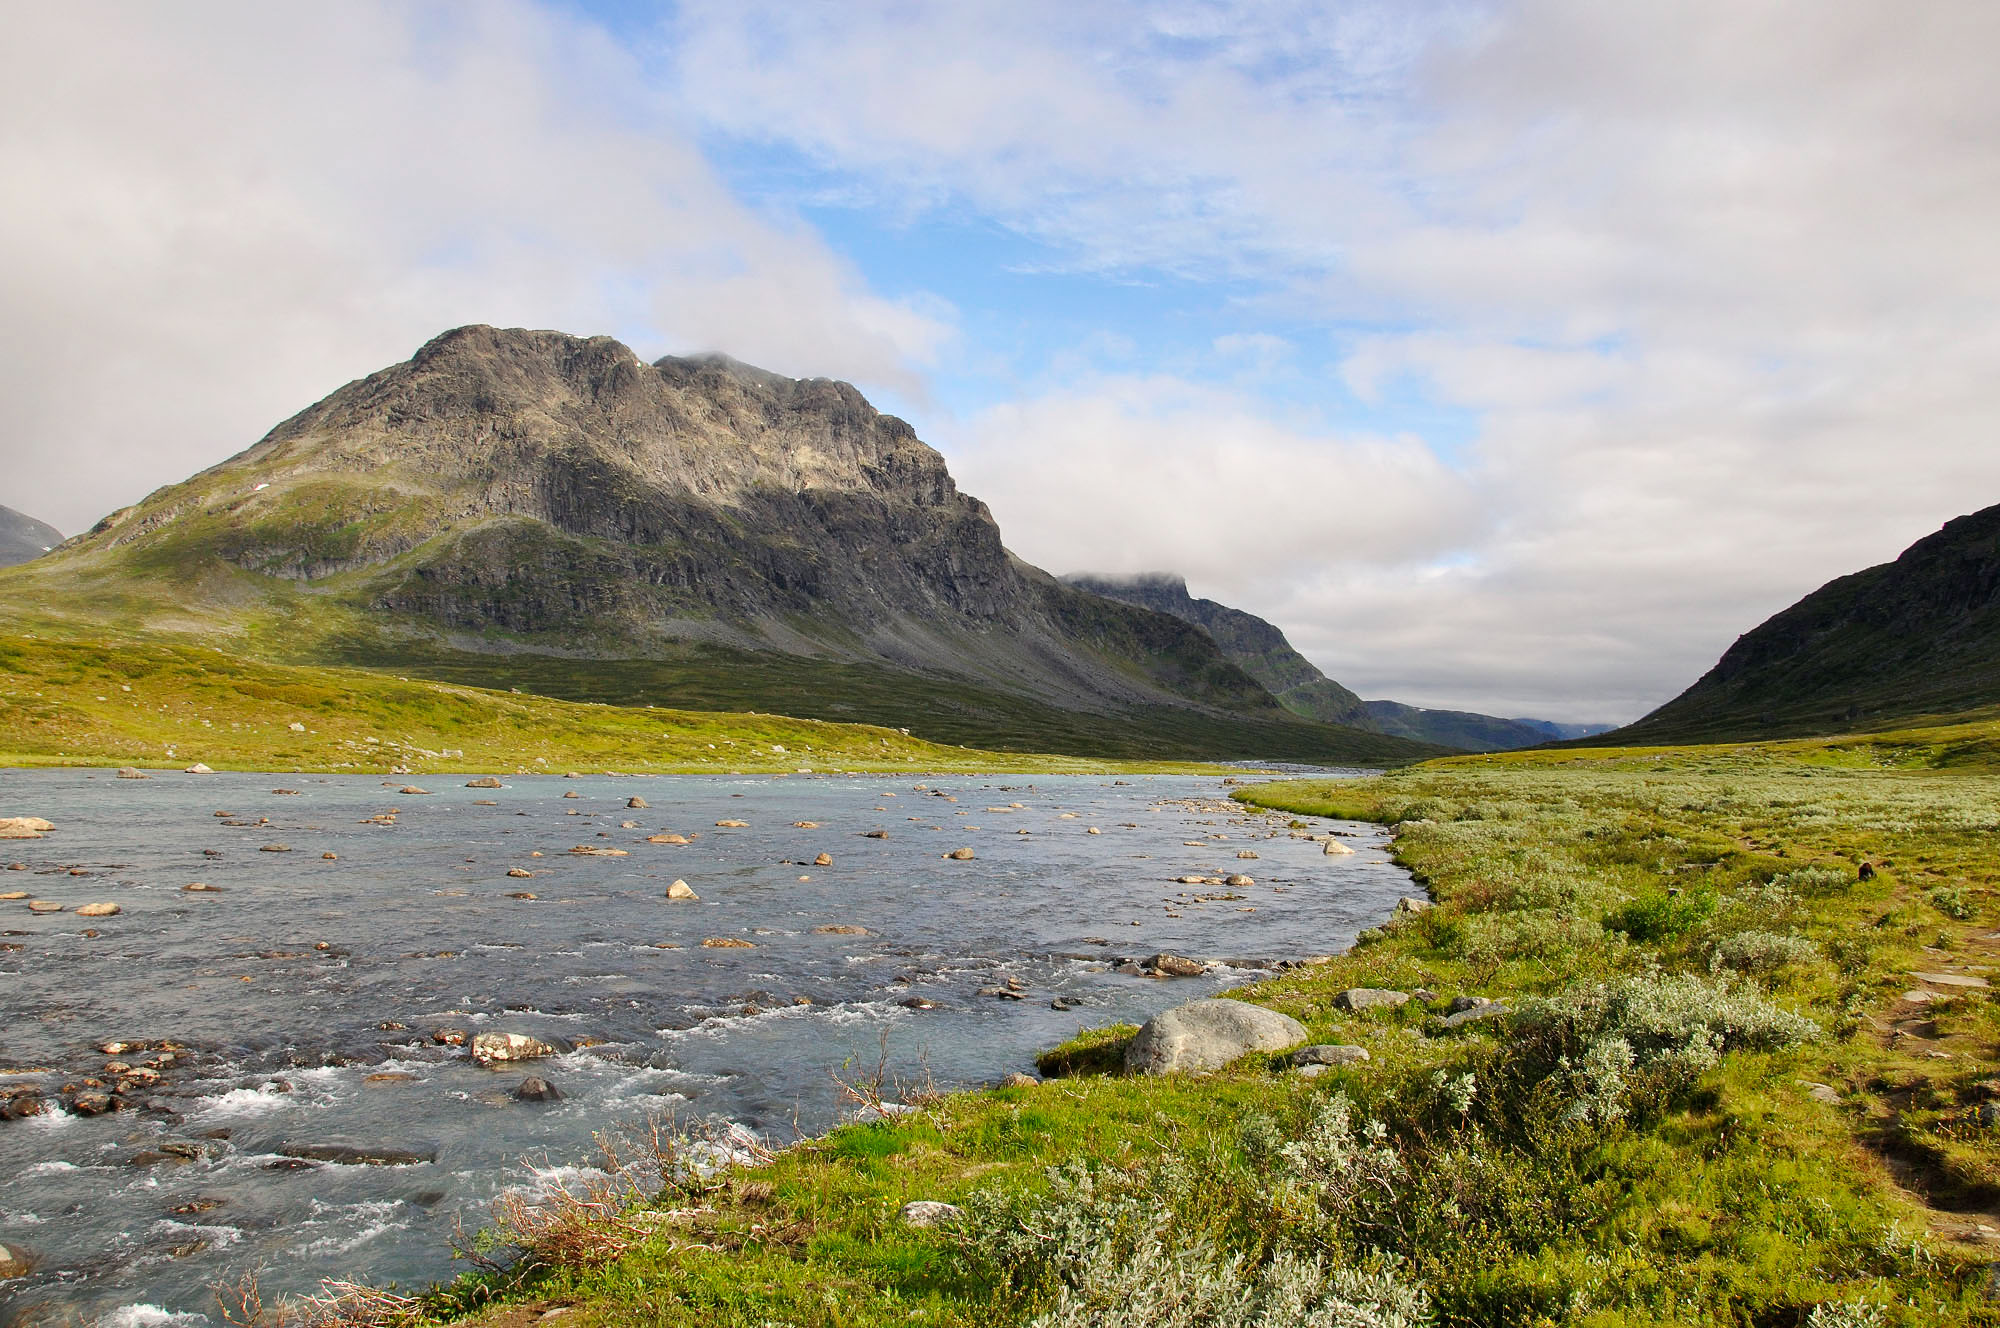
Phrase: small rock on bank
(930, 1213)
(1358, 999)
(1204, 1036)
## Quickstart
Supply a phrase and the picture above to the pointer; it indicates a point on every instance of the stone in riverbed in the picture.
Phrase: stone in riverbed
(103, 910)
(536, 1089)
(519, 873)
(874, 834)
(197, 769)
(668, 839)
(1358, 999)
(1203, 1036)
(44, 906)
(1237, 880)
(823, 860)
(493, 1048)
(485, 782)
(15, 1263)
(960, 855)
(356, 1155)
(733, 825)
(635, 802)
(840, 929)
(24, 827)
(15, 894)
(1334, 847)
(275, 848)
(201, 888)
(681, 890)
(727, 943)
(132, 772)
(1176, 966)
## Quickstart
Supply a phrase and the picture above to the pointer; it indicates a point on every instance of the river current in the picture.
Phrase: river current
(300, 998)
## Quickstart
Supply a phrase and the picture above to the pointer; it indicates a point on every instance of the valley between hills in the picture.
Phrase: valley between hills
(1690, 1022)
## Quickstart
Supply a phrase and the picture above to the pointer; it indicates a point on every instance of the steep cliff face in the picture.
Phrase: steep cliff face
(508, 489)
(1915, 637)
(22, 537)
(1254, 645)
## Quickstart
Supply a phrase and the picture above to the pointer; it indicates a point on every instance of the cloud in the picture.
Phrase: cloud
(219, 212)
(1715, 282)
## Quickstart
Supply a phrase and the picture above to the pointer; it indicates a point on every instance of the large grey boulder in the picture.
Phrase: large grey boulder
(1203, 1036)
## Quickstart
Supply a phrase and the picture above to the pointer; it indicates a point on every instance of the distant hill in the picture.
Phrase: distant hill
(534, 509)
(1467, 729)
(1261, 650)
(1919, 636)
(22, 537)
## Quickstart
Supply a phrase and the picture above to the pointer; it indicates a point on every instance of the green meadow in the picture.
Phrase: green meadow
(1737, 1080)
(164, 703)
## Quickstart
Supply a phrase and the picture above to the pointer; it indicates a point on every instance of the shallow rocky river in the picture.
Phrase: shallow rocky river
(313, 1000)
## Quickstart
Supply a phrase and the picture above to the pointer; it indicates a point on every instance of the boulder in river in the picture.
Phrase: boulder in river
(487, 781)
(874, 834)
(357, 1155)
(201, 888)
(519, 873)
(635, 802)
(198, 769)
(1176, 966)
(840, 929)
(1334, 848)
(823, 860)
(14, 1263)
(1203, 1036)
(960, 855)
(24, 827)
(132, 772)
(727, 943)
(102, 910)
(733, 825)
(681, 890)
(668, 839)
(537, 1089)
(275, 848)
(1237, 880)
(494, 1048)
(44, 906)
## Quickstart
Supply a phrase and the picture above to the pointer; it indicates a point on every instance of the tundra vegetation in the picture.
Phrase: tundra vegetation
(1733, 1079)
(167, 703)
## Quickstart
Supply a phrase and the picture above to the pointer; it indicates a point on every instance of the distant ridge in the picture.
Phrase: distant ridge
(1917, 637)
(22, 537)
(1260, 649)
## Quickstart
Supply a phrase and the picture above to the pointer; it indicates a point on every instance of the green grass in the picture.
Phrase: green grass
(148, 702)
(1527, 1170)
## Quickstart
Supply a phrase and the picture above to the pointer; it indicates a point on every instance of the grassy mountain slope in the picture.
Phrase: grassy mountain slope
(1916, 637)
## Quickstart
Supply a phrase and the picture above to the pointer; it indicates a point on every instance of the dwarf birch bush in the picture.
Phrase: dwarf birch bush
(1761, 952)
(1195, 1286)
(1679, 1019)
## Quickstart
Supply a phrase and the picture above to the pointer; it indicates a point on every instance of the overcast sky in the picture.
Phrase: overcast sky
(1511, 356)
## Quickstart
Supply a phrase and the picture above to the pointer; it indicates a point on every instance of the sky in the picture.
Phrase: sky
(1512, 357)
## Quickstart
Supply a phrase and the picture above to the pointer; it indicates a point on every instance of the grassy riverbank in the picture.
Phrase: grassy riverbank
(1736, 1083)
(167, 704)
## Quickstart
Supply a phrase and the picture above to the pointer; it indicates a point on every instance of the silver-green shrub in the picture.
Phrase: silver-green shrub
(1846, 1314)
(1761, 952)
(1196, 1286)
(1683, 1019)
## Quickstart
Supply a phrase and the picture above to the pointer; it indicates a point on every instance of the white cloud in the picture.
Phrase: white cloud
(1715, 279)
(219, 212)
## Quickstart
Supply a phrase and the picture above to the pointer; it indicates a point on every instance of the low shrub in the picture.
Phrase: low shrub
(1660, 916)
(1761, 952)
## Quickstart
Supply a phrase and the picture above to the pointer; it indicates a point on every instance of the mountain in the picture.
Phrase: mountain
(22, 537)
(1254, 645)
(1917, 637)
(1261, 650)
(553, 512)
(1467, 729)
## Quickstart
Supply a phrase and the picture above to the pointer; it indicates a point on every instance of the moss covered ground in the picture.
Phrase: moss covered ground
(1738, 1081)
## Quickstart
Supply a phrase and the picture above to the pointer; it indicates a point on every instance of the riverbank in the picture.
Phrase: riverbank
(1736, 1079)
